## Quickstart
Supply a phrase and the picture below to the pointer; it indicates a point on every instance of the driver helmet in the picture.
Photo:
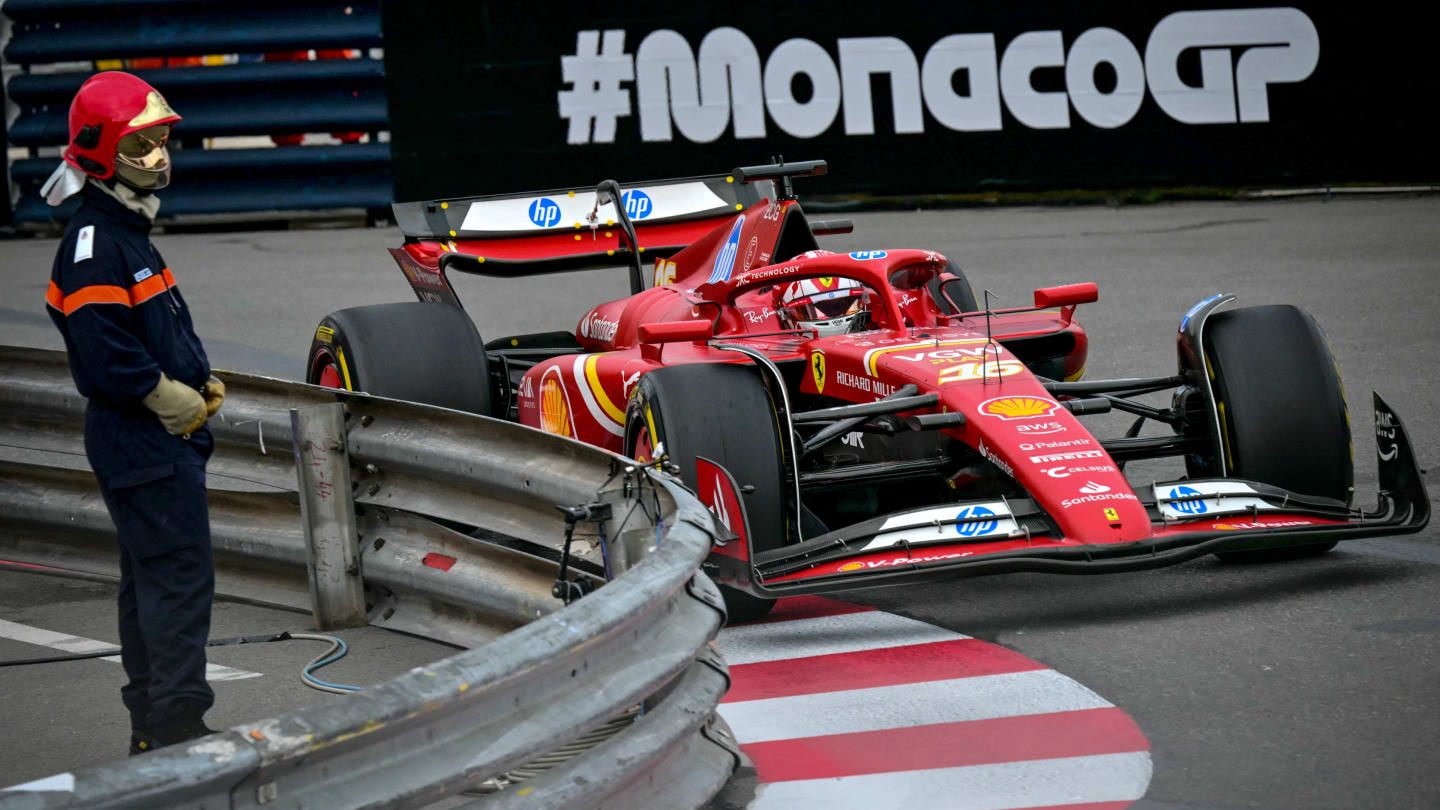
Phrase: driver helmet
(831, 305)
(120, 127)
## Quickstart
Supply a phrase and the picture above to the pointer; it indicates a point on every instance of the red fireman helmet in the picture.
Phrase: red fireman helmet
(108, 107)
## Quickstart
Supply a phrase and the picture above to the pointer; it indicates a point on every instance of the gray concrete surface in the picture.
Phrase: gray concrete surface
(1307, 685)
(63, 716)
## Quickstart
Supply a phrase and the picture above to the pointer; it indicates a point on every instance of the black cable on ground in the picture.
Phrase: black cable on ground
(307, 674)
(217, 642)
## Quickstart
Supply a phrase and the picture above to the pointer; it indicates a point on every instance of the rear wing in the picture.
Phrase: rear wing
(607, 225)
(566, 210)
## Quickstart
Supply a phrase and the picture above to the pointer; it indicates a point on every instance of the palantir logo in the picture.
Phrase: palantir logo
(977, 527)
(862, 255)
(637, 203)
(544, 212)
(725, 261)
(1188, 507)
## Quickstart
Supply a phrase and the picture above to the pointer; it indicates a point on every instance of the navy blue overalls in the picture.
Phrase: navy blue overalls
(124, 322)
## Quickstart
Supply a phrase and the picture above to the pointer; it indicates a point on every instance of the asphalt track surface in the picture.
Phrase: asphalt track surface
(1298, 685)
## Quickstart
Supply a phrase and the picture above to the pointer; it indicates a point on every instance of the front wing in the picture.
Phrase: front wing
(1190, 519)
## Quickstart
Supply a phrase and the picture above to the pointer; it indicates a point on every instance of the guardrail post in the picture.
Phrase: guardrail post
(327, 510)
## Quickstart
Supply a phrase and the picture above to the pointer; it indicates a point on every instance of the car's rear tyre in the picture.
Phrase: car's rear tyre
(415, 351)
(1282, 409)
(721, 412)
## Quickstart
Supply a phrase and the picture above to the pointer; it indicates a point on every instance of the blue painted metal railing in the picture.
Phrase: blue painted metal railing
(250, 98)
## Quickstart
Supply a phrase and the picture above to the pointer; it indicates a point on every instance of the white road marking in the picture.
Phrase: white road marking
(59, 783)
(1029, 783)
(825, 635)
(984, 697)
(78, 644)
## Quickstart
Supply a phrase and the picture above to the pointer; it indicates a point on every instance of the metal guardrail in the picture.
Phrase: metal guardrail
(250, 98)
(543, 676)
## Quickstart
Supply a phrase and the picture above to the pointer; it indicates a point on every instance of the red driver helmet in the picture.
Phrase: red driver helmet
(120, 125)
(831, 306)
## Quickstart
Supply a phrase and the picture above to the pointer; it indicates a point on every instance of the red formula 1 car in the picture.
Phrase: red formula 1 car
(857, 419)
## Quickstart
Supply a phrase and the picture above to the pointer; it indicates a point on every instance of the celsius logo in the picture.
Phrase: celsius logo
(862, 255)
(544, 212)
(637, 203)
(1188, 501)
(725, 262)
(977, 526)
(1240, 54)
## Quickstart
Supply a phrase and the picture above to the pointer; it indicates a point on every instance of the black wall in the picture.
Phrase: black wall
(474, 107)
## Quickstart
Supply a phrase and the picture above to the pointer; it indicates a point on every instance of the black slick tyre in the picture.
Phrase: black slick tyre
(723, 413)
(420, 352)
(1282, 409)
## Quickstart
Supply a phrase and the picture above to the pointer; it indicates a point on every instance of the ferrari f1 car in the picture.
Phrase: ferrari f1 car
(857, 419)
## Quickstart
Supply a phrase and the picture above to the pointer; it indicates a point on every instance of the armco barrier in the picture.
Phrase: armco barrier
(249, 98)
(543, 676)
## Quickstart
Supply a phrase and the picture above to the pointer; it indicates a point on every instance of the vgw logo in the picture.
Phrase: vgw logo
(544, 212)
(978, 527)
(1188, 507)
(637, 203)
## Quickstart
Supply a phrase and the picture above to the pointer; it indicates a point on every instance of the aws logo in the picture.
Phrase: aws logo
(1012, 408)
(817, 371)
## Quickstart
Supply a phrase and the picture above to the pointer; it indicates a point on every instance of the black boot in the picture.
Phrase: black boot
(141, 741)
(185, 721)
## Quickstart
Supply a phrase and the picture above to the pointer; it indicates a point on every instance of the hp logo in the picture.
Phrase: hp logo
(1195, 507)
(637, 203)
(862, 255)
(544, 212)
(979, 527)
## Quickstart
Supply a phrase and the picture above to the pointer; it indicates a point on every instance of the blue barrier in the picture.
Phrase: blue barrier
(242, 181)
(61, 30)
(249, 98)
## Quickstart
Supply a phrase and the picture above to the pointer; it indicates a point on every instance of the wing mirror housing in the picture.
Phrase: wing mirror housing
(1067, 295)
(653, 336)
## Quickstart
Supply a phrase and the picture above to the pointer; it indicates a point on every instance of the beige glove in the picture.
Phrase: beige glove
(181, 408)
(214, 395)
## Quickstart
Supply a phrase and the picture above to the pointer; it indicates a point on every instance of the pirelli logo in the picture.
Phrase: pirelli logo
(324, 334)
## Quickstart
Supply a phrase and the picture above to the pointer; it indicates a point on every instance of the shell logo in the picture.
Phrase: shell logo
(852, 566)
(1226, 526)
(1010, 408)
(554, 408)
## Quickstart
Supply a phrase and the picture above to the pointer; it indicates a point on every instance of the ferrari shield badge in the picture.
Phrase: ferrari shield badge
(817, 370)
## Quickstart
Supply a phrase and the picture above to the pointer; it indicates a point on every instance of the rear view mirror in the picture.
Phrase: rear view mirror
(1067, 295)
(676, 332)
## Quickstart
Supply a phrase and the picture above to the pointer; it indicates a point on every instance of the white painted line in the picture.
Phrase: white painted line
(825, 635)
(59, 783)
(78, 644)
(912, 704)
(1032, 783)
